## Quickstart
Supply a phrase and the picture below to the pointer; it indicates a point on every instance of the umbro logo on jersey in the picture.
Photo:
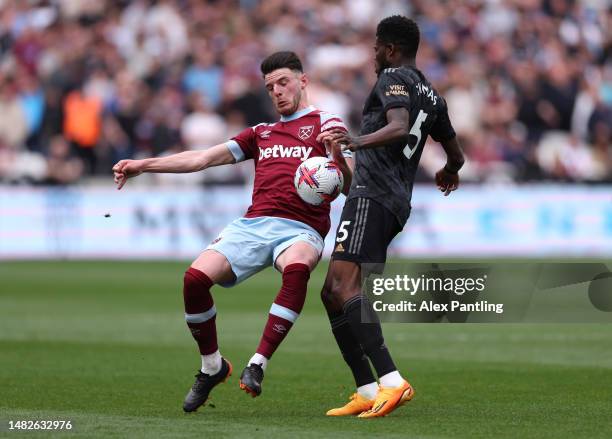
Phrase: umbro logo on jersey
(265, 134)
(306, 132)
(281, 151)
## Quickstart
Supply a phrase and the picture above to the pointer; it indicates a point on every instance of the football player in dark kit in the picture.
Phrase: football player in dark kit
(400, 112)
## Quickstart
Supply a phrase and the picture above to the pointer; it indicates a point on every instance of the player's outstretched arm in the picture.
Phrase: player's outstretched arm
(183, 162)
(396, 130)
(447, 178)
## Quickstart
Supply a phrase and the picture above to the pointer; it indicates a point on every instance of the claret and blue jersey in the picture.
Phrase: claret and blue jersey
(277, 217)
(277, 150)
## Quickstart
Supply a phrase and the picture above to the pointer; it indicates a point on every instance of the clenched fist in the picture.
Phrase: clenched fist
(125, 169)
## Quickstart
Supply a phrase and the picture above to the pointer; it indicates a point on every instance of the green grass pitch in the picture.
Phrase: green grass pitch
(104, 344)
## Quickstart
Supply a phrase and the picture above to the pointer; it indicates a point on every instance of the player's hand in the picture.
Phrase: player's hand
(326, 136)
(333, 146)
(337, 156)
(346, 141)
(125, 169)
(447, 181)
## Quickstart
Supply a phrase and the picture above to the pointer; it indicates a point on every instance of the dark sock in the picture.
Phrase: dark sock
(351, 350)
(369, 335)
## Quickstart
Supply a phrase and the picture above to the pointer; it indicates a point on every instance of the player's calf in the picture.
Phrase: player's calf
(200, 312)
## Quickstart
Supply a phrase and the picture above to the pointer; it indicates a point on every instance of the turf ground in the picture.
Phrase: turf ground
(104, 344)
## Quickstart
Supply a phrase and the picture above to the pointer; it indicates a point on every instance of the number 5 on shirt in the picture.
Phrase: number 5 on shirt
(415, 131)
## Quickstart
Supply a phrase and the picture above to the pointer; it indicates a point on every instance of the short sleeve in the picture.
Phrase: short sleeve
(392, 91)
(244, 145)
(442, 129)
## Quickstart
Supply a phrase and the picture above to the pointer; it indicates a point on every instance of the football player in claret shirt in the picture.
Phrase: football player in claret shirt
(400, 112)
(278, 229)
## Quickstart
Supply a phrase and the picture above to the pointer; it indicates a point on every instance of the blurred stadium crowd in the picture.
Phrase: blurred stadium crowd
(84, 83)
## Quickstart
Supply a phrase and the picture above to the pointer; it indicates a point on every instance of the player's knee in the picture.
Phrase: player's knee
(196, 280)
(331, 297)
(326, 297)
(307, 258)
(189, 280)
(298, 253)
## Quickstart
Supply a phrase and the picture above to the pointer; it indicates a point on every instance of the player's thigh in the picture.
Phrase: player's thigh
(215, 266)
(245, 246)
(300, 252)
(342, 282)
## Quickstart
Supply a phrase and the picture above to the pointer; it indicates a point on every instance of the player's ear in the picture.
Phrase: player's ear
(303, 81)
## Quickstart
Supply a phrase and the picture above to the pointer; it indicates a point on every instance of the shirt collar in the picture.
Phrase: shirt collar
(297, 114)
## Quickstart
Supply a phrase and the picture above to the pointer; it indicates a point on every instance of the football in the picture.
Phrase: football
(318, 180)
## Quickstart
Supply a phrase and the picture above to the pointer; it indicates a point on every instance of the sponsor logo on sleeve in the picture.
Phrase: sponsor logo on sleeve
(396, 90)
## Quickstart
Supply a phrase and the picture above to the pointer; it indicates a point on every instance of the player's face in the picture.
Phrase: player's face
(381, 61)
(285, 88)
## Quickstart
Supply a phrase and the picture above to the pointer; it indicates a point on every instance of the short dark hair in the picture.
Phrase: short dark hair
(401, 31)
(279, 60)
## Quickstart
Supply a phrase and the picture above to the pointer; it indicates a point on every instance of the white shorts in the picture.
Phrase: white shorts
(252, 244)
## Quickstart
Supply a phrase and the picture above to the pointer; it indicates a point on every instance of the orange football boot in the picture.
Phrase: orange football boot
(388, 399)
(357, 404)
